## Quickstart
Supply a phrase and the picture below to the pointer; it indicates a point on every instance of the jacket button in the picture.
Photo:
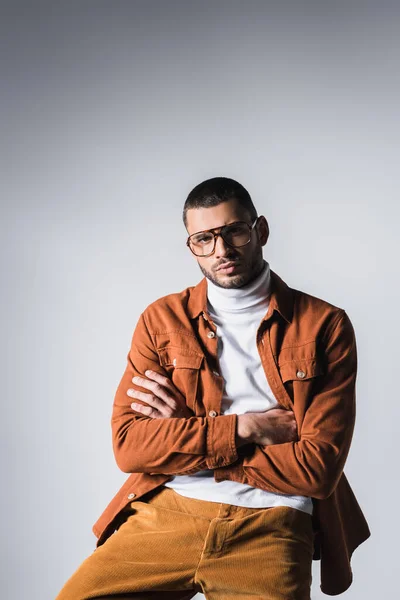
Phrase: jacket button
(212, 413)
(216, 373)
(174, 362)
(130, 496)
(210, 334)
(300, 374)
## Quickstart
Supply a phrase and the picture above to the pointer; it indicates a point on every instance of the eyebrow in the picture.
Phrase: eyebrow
(214, 228)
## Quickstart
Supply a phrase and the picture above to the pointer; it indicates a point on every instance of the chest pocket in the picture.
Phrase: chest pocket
(299, 377)
(299, 363)
(300, 367)
(183, 368)
(299, 370)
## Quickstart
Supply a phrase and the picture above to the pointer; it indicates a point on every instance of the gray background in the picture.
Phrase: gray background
(110, 113)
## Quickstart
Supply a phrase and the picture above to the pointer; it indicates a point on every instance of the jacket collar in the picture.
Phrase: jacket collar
(281, 299)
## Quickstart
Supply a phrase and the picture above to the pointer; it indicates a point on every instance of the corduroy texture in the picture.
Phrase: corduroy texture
(171, 547)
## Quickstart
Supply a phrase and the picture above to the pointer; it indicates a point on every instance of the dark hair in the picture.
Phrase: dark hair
(212, 192)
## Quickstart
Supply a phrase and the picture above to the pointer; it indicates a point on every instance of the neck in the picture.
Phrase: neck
(235, 300)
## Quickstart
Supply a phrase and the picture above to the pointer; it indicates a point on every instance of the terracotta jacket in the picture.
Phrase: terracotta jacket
(308, 350)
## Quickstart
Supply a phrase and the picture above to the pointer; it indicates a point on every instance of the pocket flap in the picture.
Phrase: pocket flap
(180, 359)
(299, 370)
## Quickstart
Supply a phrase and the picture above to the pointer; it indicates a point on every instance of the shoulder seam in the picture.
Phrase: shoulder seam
(147, 326)
(340, 314)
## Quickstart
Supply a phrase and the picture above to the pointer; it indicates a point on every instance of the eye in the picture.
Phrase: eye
(235, 229)
(204, 238)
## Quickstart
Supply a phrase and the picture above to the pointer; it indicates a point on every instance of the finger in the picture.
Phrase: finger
(148, 411)
(158, 390)
(164, 381)
(149, 399)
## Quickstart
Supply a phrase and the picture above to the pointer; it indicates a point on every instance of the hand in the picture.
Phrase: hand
(164, 402)
(274, 426)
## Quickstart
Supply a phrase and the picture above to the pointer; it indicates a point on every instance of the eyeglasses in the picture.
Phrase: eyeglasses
(235, 234)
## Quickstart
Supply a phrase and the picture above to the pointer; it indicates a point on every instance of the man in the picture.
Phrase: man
(234, 418)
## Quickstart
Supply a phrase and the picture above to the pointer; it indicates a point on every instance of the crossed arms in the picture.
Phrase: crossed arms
(159, 433)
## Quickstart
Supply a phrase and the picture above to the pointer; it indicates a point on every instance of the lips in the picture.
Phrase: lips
(228, 266)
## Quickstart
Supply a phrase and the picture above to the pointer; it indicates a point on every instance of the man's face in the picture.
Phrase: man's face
(229, 267)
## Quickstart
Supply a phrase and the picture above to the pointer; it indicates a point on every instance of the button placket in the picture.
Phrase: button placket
(212, 335)
(272, 373)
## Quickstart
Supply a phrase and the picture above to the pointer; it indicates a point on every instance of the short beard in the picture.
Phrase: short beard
(237, 281)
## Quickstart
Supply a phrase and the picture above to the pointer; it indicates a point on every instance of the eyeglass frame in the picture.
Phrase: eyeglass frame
(213, 231)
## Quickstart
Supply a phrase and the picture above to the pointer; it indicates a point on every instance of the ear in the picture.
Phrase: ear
(263, 230)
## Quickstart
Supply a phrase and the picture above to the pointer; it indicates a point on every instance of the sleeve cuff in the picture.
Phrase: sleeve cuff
(221, 447)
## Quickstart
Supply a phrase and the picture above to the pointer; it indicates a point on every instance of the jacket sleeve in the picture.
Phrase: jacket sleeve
(172, 446)
(312, 466)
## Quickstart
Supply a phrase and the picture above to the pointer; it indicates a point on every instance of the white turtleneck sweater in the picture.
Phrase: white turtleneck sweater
(237, 314)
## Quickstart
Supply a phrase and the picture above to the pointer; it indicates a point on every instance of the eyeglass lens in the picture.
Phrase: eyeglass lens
(237, 234)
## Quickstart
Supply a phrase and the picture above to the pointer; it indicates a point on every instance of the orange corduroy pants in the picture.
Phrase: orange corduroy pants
(171, 547)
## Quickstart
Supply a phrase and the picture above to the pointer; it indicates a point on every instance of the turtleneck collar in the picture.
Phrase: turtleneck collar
(235, 300)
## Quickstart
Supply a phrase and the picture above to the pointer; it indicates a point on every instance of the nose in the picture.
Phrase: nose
(221, 248)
